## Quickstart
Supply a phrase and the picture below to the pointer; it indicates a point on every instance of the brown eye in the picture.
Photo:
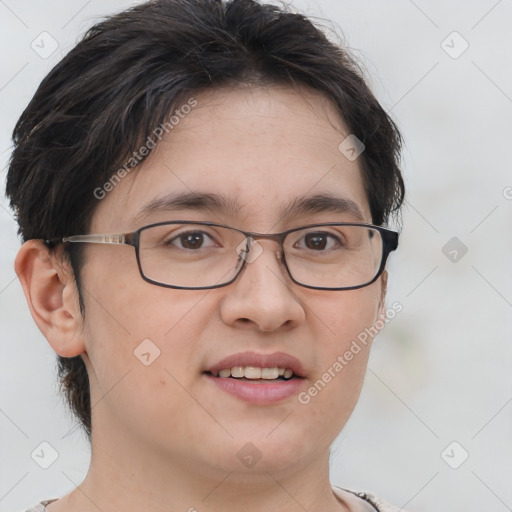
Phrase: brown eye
(191, 240)
(319, 241)
(316, 242)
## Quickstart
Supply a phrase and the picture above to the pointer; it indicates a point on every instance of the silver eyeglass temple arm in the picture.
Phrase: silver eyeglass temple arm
(97, 239)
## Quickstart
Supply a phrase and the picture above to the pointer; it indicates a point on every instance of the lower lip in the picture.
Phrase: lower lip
(259, 393)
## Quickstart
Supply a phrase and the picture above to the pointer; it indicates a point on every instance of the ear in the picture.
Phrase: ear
(52, 296)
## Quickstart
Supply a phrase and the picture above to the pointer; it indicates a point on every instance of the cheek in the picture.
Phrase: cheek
(141, 358)
(343, 352)
(345, 316)
(135, 329)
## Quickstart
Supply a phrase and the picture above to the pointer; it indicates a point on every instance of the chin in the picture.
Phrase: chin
(261, 453)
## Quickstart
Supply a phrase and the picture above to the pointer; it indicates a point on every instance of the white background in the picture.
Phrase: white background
(441, 370)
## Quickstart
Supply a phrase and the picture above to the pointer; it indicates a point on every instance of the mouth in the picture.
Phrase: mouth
(258, 378)
(255, 374)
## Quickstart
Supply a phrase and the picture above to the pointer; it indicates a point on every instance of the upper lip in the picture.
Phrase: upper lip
(276, 359)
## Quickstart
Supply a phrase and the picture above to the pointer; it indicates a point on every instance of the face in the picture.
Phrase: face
(263, 148)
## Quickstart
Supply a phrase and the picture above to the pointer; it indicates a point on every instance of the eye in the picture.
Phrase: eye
(320, 241)
(190, 240)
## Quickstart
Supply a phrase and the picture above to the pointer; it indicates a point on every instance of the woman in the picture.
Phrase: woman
(202, 189)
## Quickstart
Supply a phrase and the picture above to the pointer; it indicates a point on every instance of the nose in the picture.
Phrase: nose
(263, 295)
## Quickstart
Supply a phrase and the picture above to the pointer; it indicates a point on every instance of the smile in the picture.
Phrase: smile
(255, 373)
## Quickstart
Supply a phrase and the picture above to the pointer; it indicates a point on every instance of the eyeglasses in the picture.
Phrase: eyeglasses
(201, 255)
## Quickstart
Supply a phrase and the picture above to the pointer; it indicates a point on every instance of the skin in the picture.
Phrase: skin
(163, 434)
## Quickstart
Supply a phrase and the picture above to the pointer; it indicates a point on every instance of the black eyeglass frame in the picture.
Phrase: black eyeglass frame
(389, 244)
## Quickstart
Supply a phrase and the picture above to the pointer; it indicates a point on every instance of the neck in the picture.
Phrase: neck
(130, 477)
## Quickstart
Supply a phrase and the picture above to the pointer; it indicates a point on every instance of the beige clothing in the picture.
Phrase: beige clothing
(371, 503)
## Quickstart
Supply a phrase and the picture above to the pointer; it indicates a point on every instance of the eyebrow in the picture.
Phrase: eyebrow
(218, 203)
(320, 203)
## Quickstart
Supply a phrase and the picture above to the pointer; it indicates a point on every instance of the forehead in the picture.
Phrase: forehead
(256, 156)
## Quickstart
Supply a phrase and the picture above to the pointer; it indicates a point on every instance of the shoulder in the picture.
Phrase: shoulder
(40, 507)
(378, 504)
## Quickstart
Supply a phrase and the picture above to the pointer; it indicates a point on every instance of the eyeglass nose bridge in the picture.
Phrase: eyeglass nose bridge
(251, 239)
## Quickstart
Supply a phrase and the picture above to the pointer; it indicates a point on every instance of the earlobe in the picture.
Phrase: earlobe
(50, 290)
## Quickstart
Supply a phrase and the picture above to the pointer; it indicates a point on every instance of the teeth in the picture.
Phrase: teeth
(252, 372)
(269, 373)
(238, 371)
